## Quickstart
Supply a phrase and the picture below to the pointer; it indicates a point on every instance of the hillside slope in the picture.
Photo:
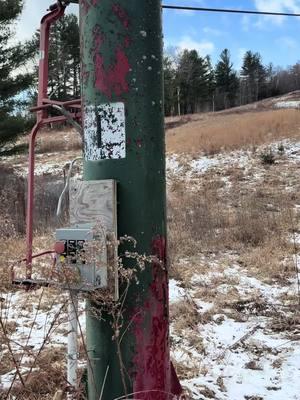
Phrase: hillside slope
(234, 248)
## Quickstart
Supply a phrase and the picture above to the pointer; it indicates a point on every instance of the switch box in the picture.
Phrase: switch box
(83, 264)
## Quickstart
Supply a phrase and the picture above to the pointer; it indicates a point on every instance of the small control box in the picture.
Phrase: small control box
(82, 259)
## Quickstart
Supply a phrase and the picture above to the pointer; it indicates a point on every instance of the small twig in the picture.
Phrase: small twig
(243, 338)
(29, 335)
(128, 326)
(122, 368)
(295, 259)
(44, 342)
(103, 384)
(246, 336)
(3, 327)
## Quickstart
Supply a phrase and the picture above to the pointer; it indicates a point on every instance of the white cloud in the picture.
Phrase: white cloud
(212, 31)
(33, 12)
(203, 47)
(288, 42)
(292, 6)
(278, 5)
(245, 21)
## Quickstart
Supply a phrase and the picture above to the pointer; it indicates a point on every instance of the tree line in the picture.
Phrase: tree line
(192, 83)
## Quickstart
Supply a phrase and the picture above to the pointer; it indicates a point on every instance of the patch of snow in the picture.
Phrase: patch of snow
(287, 104)
(203, 164)
(203, 306)
(172, 164)
(36, 324)
(228, 351)
(176, 293)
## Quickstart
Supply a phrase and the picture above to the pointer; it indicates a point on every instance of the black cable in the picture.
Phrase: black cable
(220, 10)
(232, 11)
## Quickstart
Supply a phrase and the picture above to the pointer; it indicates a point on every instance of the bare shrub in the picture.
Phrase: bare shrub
(184, 314)
(251, 224)
(203, 220)
(267, 157)
(196, 219)
(12, 203)
(269, 262)
(54, 141)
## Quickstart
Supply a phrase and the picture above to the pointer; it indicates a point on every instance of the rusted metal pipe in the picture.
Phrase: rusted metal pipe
(30, 199)
(46, 23)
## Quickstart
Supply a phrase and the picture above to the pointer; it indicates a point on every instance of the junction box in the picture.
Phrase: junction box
(87, 254)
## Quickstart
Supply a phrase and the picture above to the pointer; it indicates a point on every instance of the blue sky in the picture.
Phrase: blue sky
(276, 38)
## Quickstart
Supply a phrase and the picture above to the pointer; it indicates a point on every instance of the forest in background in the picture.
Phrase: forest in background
(192, 83)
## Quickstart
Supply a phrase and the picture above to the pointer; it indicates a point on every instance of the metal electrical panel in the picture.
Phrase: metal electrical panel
(79, 269)
(89, 257)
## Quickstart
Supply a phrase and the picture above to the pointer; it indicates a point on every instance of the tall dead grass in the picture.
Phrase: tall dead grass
(58, 141)
(218, 132)
(204, 221)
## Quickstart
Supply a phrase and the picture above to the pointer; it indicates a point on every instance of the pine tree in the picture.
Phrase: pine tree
(170, 87)
(13, 83)
(193, 79)
(64, 58)
(227, 82)
(211, 82)
(254, 75)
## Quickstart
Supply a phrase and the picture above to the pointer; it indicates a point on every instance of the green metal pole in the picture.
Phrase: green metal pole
(122, 87)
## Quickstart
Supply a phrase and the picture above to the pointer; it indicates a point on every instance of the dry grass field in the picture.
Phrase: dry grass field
(213, 133)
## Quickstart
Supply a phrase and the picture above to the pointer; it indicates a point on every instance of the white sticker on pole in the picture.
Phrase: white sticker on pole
(104, 131)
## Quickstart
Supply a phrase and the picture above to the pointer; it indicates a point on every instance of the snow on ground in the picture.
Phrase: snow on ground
(40, 320)
(178, 164)
(45, 163)
(287, 104)
(175, 292)
(240, 359)
(234, 352)
(239, 350)
(259, 367)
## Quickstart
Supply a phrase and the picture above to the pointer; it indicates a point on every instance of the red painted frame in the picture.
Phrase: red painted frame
(56, 11)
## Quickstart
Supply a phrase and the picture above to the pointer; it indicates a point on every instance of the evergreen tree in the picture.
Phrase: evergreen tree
(227, 82)
(64, 58)
(254, 74)
(13, 83)
(193, 79)
(211, 76)
(271, 81)
(295, 73)
(170, 87)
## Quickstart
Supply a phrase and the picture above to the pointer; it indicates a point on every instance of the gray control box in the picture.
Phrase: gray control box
(83, 263)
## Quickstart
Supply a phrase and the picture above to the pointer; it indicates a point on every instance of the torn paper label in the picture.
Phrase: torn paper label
(104, 131)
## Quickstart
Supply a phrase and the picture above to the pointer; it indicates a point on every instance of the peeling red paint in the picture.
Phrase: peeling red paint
(87, 4)
(84, 74)
(110, 80)
(152, 363)
(113, 79)
(121, 14)
(127, 41)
